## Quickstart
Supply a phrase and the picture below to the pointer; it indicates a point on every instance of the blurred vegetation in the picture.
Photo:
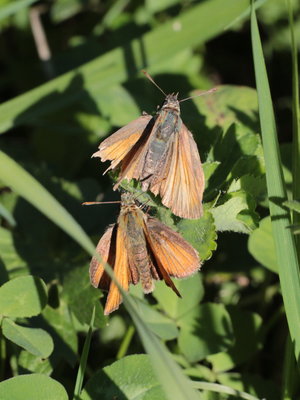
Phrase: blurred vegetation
(70, 76)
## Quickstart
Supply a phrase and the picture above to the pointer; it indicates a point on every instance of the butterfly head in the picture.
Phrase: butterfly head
(171, 102)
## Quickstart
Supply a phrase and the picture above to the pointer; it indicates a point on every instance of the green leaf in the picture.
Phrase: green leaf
(130, 378)
(14, 264)
(191, 290)
(239, 152)
(236, 214)
(29, 362)
(200, 233)
(261, 245)
(288, 262)
(253, 384)
(82, 297)
(59, 323)
(23, 297)
(34, 387)
(246, 330)
(34, 340)
(228, 105)
(196, 25)
(161, 325)
(254, 185)
(205, 330)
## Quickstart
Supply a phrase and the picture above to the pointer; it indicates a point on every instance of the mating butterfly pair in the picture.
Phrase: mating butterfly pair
(161, 153)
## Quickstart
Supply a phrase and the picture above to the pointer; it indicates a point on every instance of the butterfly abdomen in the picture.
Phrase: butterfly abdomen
(168, 123)
(139, 260)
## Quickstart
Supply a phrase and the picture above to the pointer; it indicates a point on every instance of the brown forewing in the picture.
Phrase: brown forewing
(183, 185)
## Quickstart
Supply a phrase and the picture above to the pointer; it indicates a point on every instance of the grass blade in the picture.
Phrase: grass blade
(197, 25)
(83, 359)
(174, 382)
(296, 116)
(284, 240)
(217, 388)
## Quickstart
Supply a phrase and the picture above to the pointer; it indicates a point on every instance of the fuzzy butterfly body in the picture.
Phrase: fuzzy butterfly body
(161, 153)
(140, 248)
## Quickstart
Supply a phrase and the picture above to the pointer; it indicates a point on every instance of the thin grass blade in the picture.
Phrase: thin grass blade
(284, 239)
(83, 359)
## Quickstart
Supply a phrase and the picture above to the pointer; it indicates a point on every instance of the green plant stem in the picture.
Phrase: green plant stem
(126, 342)
(83, 359)
(216, 387)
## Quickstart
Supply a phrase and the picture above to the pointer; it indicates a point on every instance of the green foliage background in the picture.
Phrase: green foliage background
(228, 333)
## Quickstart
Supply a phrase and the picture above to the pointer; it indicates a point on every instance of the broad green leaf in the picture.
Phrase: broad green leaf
(23, 297)
(209, 168)
(33, 387)
(198, 24)
(246, 330)
(288, 262)
(14, 264)
(261, 245)
(191, 290)
(228, 105)
(62, 332)
(82, 297)
(238, 152)
(34, 340)
(30, 363)
(200, 233)
(205, 330)
(161, 325)
(236, 213)
(131, 378)
(255, 185)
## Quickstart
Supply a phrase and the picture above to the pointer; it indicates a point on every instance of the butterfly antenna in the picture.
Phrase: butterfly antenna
(152, 80)
(200, 94)
(91, 203)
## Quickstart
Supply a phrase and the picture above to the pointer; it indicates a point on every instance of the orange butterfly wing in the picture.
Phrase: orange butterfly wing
(121, 271)
(112, 250)
(119, 144)
(183, 186)
(173, 255)
(105, 249)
